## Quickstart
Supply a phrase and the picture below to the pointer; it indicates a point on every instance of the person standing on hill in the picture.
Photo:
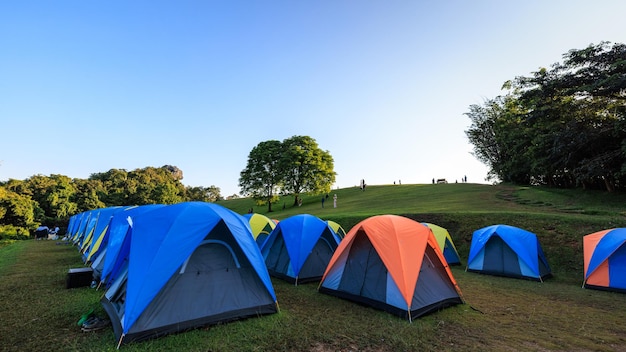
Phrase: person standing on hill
(335, 200)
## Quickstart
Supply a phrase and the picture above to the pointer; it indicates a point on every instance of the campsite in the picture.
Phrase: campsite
(498, 313)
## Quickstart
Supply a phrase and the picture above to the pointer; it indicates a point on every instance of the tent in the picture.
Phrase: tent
(605, 260)
(190, 264)
(445, 243)
(95, 247)
(337, 228)
(391, 263)
(114, 258)
(87, 223)
(299, 248)
(505, 250)
(261, 226)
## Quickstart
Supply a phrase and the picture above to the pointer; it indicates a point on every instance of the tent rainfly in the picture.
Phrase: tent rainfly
(394, 264)
(190, 264)
(605, 260)
(505, 250)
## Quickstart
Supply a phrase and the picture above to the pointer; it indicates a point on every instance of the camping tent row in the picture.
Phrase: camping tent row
(505, 250)
(389, 262)
(171, 256)
(177, 267)
(105, 239)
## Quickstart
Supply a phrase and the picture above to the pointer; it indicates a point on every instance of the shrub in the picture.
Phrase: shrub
(10, 232)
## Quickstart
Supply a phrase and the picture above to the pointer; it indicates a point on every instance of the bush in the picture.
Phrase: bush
(10, 232)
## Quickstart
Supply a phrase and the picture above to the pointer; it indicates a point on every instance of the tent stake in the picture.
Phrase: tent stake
(119, 343)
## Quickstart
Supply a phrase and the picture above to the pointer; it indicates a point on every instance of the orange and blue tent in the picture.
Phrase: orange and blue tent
(394, 264)
(444, 240)
(605, 260)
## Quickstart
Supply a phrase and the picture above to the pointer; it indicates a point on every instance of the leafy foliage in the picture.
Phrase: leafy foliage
(262, 178)
(307, 168)
(51, 200)
(293, 166)
(564, 126)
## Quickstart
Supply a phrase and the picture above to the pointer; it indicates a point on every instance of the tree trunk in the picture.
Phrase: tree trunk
(610, 187)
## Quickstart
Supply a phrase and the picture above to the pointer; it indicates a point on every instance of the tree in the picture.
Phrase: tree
(17, 210)
(306, 167)
(115, 186)
(203, 194)
(88, 194)
(564, 126)
(262, 178)
(152, 185)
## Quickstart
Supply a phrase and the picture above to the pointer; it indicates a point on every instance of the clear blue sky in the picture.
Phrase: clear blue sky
(87, 86)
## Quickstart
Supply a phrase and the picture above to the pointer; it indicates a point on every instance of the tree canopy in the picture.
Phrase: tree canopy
(294, 166)
(51, 200)
(563, 126)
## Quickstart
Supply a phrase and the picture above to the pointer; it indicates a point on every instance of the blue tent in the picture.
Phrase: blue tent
(98, 240)
(299, 248)
(190, 264)
(505, 250)
(87, 223)
(118, 244)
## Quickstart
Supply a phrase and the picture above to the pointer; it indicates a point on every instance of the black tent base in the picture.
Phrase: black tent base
(514, 276)
(404, 314)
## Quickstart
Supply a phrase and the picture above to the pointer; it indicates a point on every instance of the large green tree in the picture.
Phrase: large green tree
(306, 167)
(293, 166)
(564, 126)
(262, 178)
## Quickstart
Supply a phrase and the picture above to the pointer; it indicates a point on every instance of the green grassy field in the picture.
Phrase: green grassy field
(500, 314)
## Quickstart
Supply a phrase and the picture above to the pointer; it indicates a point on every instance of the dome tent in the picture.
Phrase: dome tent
(261, 226)
(605, 260)
(505, 250)
(341, 233)
(118, 245)
(394, 264)
(190, 264)
(299, 248)
(444, 240)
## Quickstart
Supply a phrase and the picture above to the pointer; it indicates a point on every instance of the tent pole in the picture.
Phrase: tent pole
(119, 343)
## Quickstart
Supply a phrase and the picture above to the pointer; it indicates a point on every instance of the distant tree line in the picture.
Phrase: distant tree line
(51, 200)
(564, 126)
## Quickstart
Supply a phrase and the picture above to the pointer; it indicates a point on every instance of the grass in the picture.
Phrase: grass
(501, 314)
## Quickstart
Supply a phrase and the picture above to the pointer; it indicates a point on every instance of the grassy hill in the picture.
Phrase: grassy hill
(559, 217)
(500, 314)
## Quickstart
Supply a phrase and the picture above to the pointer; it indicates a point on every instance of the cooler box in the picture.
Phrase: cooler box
(79, 277)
